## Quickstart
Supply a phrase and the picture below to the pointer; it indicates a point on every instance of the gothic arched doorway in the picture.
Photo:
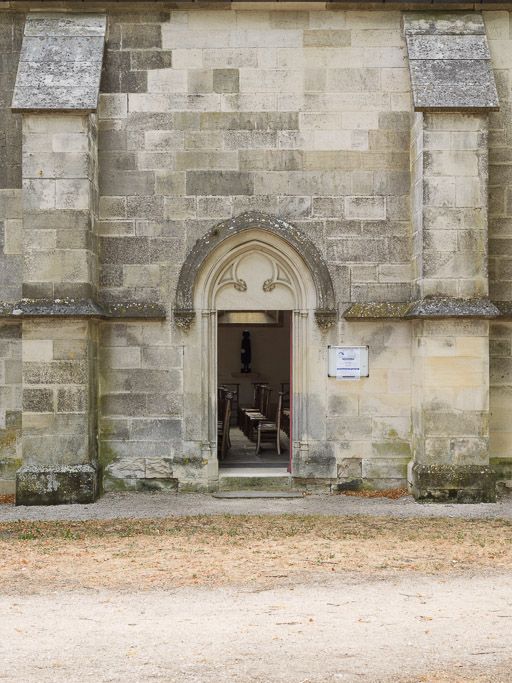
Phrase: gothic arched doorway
(253, 263)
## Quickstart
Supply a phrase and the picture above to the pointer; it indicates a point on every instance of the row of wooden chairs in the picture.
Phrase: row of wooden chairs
(225, 404)
(256, 422)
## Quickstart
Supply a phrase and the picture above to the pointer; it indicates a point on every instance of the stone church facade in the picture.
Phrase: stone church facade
(158, 160)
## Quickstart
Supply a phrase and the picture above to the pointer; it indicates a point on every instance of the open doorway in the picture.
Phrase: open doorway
(254, 406)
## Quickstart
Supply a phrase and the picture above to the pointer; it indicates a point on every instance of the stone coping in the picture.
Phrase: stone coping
(60, 62)
(81, 308)
(449, 62)
(429, 308)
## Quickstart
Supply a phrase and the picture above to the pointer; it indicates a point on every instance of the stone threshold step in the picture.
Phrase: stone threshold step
(257, 494)
(253, 473)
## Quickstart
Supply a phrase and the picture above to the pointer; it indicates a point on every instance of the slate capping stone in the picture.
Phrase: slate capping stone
(81, 308)
(449, 62)
(60, 62)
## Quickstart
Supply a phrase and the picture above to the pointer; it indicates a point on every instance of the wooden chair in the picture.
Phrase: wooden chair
(254, 418)
(223, 424)
(285, 421)
(271, 431)
(285, 412)
(256, 408)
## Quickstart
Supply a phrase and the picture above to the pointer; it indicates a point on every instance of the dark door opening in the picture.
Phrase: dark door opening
(253, 396)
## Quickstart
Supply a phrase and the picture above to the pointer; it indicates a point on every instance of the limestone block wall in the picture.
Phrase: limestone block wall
(500, 340)
(11, 31)
(206, 114)
(500, 242)
(301, 114)
(10, 404)
(11, 27)
(59, 392)
(59, 205)
(450, 390)
(141, 405)
(449, 160)
(369, 421)
(500, 160)
(455, 205)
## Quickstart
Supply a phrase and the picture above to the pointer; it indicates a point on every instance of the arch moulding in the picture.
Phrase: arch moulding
(325, 308)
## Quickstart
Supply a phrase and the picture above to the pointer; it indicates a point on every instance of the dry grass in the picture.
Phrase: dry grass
(493, 674)
(7, 500)
(392, 494)
(256, 550)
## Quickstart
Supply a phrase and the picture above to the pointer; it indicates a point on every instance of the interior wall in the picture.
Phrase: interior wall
(270, 348)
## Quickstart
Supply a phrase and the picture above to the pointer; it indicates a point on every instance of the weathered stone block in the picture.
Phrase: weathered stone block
(150, 59)
(38, 400)
(158, 468)
(319, 463)
(56, 372)
(141, 36)
(126, 182)
(226, 80)
(219, 183)
(350, 468)
(365, 208)
(157, 430)
(72, 400)
(326, 38)
(453, 483)
(56, 485)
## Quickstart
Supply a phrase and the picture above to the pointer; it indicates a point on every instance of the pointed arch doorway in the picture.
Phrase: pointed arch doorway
(252, 263)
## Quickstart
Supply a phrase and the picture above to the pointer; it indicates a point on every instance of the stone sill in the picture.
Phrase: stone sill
(81, 308)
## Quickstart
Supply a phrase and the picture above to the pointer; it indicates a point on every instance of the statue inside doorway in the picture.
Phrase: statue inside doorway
(245, 352)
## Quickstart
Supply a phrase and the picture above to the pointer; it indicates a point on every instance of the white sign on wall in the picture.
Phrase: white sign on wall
(348, 362)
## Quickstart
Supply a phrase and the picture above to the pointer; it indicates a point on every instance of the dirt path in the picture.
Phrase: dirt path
(345, 629)
(248, 599)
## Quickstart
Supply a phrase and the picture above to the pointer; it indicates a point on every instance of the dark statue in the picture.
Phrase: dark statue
(245, 353)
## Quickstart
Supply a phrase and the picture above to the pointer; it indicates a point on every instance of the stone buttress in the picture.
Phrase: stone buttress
(56, 92)
(453, 91)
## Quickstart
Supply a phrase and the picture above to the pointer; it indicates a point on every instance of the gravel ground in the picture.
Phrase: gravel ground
(357, 599)
(350, 628)
(147, 505)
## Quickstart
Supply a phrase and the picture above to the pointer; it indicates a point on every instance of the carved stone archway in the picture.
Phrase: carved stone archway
(254, 262)
(325, 306)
